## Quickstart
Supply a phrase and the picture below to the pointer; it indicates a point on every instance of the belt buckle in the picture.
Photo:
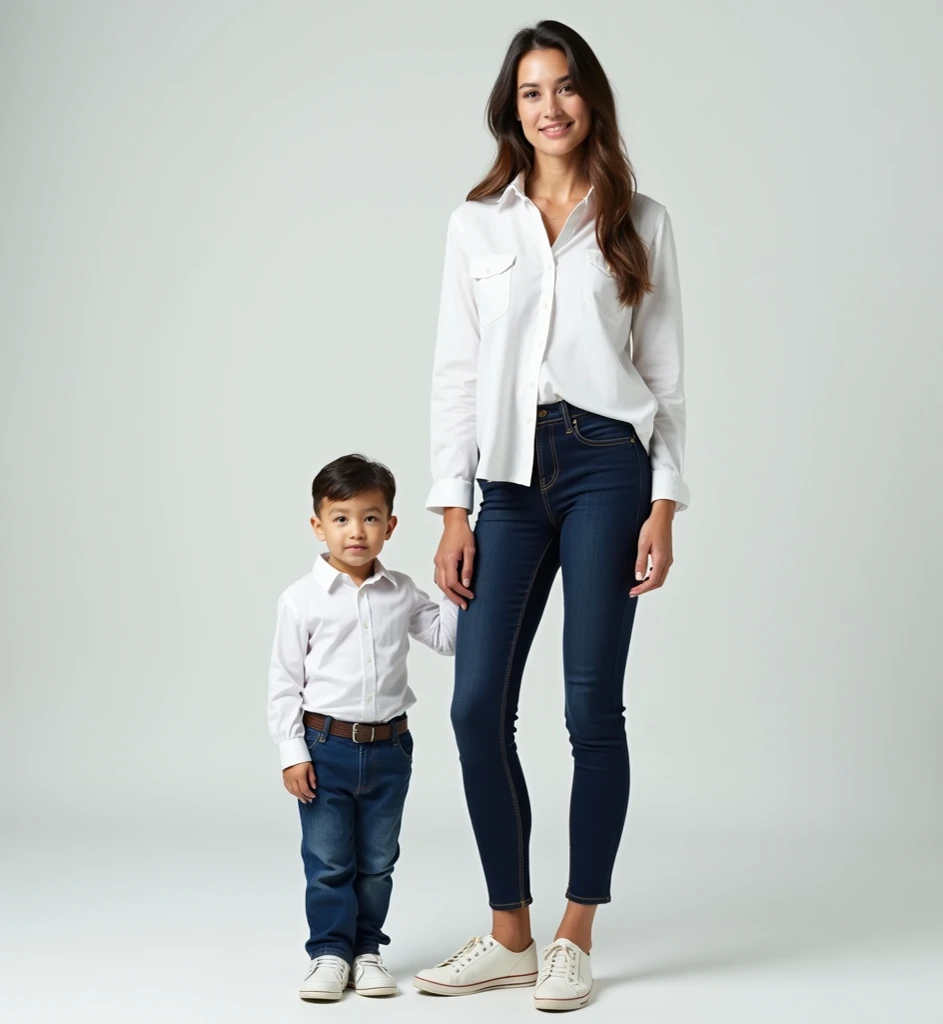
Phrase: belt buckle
(357, 727)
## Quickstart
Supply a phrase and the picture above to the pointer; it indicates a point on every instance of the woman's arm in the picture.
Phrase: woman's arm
(658, 355)
(454, 381)
(454, 431)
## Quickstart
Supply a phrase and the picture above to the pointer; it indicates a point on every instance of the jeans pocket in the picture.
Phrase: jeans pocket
(601, 431)
(405, 745)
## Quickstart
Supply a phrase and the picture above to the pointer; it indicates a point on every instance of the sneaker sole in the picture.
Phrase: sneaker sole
(438, 989)
(388, 991)
(562, 1005)
(320, 997)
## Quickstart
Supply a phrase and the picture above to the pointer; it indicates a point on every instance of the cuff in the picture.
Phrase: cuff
(293, 752)
(668, 484)
(454, 493)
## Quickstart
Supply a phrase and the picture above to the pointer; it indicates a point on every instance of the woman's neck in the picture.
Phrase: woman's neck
(558, 179)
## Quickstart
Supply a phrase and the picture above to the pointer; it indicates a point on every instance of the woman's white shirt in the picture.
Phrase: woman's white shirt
(523, 323)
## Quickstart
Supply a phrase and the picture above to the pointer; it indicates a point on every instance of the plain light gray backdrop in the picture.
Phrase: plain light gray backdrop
(222, 236)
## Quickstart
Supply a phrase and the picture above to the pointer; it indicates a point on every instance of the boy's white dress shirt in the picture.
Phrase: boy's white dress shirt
(341, 650)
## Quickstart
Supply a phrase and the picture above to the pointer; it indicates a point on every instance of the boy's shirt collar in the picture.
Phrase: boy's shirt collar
(328, 576)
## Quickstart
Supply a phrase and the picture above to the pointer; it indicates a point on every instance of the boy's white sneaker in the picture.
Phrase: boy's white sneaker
(566, 977)
(370, 976)
(326, 978)
(478, 965)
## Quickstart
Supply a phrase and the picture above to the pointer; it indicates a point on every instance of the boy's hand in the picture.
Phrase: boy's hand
(301, 781)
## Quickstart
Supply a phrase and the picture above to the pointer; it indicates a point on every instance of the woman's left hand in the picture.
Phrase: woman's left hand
(654, 542)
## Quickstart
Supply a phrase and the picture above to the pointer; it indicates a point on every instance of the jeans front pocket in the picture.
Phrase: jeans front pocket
(601, 431)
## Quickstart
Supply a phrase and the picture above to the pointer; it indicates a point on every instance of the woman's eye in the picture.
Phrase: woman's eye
(527, 95)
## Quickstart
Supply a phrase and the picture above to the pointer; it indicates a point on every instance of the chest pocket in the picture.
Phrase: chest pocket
(600, 288)
(492, 276)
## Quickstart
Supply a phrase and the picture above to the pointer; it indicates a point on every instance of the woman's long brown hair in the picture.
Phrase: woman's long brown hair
(605, 161)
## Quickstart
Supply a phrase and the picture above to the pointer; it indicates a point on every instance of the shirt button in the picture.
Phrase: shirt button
(370, 700)
(531, 384)
(369, 660)
(366, 625)
(530, 419)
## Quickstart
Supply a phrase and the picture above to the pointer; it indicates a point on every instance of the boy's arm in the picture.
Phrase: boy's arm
(286, 685)
(433, 624)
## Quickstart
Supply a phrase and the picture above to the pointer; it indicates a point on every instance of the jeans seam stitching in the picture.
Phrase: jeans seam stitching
(504, 701)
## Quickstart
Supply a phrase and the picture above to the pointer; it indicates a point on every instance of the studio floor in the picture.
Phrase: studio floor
(140, 926)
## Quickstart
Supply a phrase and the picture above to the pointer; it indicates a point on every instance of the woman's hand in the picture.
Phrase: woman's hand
(456, 554)
(654, 542)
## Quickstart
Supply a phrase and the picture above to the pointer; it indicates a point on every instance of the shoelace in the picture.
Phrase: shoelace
(370, 960)
(474, 947)
(559, 962)
(330, 963)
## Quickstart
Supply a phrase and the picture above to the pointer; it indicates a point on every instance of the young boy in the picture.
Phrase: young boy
(337, 710)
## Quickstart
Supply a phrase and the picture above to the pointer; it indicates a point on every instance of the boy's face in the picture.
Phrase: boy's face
(354, 529)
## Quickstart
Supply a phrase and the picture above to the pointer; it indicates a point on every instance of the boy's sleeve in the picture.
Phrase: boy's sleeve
(286, 685)
(432, 624)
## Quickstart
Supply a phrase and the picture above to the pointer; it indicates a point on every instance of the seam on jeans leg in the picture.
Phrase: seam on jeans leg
(556, 465)
(543, 491)
(504, 703)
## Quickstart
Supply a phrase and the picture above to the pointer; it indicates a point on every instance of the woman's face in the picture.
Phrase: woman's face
(554, 118)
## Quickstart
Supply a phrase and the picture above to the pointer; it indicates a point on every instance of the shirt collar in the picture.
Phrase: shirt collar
(517, 188)
(329, 577)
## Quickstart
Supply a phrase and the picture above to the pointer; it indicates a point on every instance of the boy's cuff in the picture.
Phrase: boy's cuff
(293, 752)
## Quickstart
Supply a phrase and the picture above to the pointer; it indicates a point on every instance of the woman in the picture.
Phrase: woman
(558, 385)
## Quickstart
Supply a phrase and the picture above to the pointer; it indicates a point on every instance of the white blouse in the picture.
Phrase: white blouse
(523, 322)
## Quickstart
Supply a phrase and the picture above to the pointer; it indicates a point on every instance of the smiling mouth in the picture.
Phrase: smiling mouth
(557, 129)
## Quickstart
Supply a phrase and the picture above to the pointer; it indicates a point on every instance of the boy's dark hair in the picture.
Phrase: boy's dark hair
(350, 475)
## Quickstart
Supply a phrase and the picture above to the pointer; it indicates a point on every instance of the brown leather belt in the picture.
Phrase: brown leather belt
(356, 731)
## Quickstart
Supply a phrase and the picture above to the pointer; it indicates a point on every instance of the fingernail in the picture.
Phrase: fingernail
(638, 575)
(466, 583)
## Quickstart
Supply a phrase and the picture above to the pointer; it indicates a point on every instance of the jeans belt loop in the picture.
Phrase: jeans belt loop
(326, 728)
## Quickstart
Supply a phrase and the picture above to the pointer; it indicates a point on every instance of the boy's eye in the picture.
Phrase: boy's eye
(340, 519)
(371, 519)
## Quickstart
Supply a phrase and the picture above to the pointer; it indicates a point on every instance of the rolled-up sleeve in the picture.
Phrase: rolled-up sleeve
(454, 382)
(658, 355)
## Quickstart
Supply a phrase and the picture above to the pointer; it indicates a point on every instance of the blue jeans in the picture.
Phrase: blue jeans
(584, 508)
(350, 840)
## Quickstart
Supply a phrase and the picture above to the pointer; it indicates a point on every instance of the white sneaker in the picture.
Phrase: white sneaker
(370, 977)
(566, 977)
(326, 978)
(479, 964)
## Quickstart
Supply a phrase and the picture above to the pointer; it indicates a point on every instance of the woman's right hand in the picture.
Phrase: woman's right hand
(456, 554)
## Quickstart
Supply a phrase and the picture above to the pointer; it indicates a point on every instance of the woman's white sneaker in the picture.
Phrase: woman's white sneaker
(566, 977)
(370, 976)
(326, 978)
(480, 964)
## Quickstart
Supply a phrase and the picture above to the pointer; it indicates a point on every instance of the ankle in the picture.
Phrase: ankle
(512, 929)
(513, 939)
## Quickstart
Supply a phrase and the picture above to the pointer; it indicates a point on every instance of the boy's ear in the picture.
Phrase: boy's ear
(391, 526)
(317, 527)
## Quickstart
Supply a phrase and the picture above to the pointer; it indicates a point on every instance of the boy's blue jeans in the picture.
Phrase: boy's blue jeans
(350, 840)
(590, 494)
